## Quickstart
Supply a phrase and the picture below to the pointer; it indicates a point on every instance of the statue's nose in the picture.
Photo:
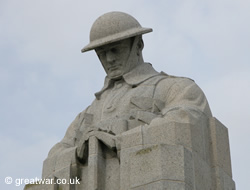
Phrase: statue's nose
(110, 56)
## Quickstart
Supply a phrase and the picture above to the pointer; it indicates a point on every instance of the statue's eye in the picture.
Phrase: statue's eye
(114, 50)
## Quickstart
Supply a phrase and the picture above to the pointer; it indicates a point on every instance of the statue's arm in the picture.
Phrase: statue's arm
(69, 138)
(182, 105)
(183, 98)
(62, 154)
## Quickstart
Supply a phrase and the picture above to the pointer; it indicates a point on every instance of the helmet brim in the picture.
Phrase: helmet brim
(116, 37)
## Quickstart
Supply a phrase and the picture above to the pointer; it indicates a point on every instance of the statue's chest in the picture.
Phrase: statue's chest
(123, 104)
(119, 101)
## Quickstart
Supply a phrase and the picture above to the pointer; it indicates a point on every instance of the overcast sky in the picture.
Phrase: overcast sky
(45, 81)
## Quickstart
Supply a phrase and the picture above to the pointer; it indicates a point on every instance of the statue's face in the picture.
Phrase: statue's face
(114, 58)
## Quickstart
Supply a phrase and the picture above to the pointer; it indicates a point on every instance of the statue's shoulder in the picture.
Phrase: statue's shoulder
(175, 78)
(167, 80)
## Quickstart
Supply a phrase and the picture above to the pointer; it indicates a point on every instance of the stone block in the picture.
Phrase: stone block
(206, 141)
(222, 180)
(132, 138)
(112, 174)
(64, 174)
(161, 162)
(159, 133)
(96, 172)
(48, 166)
(84, 179)
(40, 187)
(220, 146)
(94, 146)
(200, 138)
(193, 137)
(66, 158)
(96, 165)
(164, 185)
(125, 166)
(203, 173)
(44, 184)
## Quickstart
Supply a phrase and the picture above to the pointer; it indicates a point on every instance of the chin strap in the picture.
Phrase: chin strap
(134, 53)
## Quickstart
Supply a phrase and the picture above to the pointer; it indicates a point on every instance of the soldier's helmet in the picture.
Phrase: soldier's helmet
(112, 27)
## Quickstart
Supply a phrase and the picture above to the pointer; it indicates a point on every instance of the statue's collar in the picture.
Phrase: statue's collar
(138, 75)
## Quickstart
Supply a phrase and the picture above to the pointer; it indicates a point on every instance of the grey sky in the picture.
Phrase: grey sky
(45, 81)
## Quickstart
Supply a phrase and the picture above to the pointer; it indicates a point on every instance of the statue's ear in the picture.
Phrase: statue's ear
(140, 44)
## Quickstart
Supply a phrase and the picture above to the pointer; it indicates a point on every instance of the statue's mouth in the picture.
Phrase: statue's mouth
(113, 68)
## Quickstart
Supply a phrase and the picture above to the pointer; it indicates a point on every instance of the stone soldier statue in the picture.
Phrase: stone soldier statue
(145, 129)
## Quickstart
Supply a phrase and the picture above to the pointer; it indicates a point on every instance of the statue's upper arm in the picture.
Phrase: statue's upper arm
(181, 93)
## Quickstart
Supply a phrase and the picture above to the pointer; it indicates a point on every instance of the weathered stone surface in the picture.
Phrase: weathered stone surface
(48, 167)
(145, 130)
(125, 166)
(45, 184)
(132, 138)
(96, 165)
(220, 146)
(203, 174)
(194, 137)
(40, 187)
(161, 162)
(222, 180)
(165, 185)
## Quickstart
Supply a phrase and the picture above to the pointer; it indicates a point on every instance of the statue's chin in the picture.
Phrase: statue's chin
(117, 76)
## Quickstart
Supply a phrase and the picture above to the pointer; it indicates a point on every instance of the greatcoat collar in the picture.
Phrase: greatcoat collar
(138, 75)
